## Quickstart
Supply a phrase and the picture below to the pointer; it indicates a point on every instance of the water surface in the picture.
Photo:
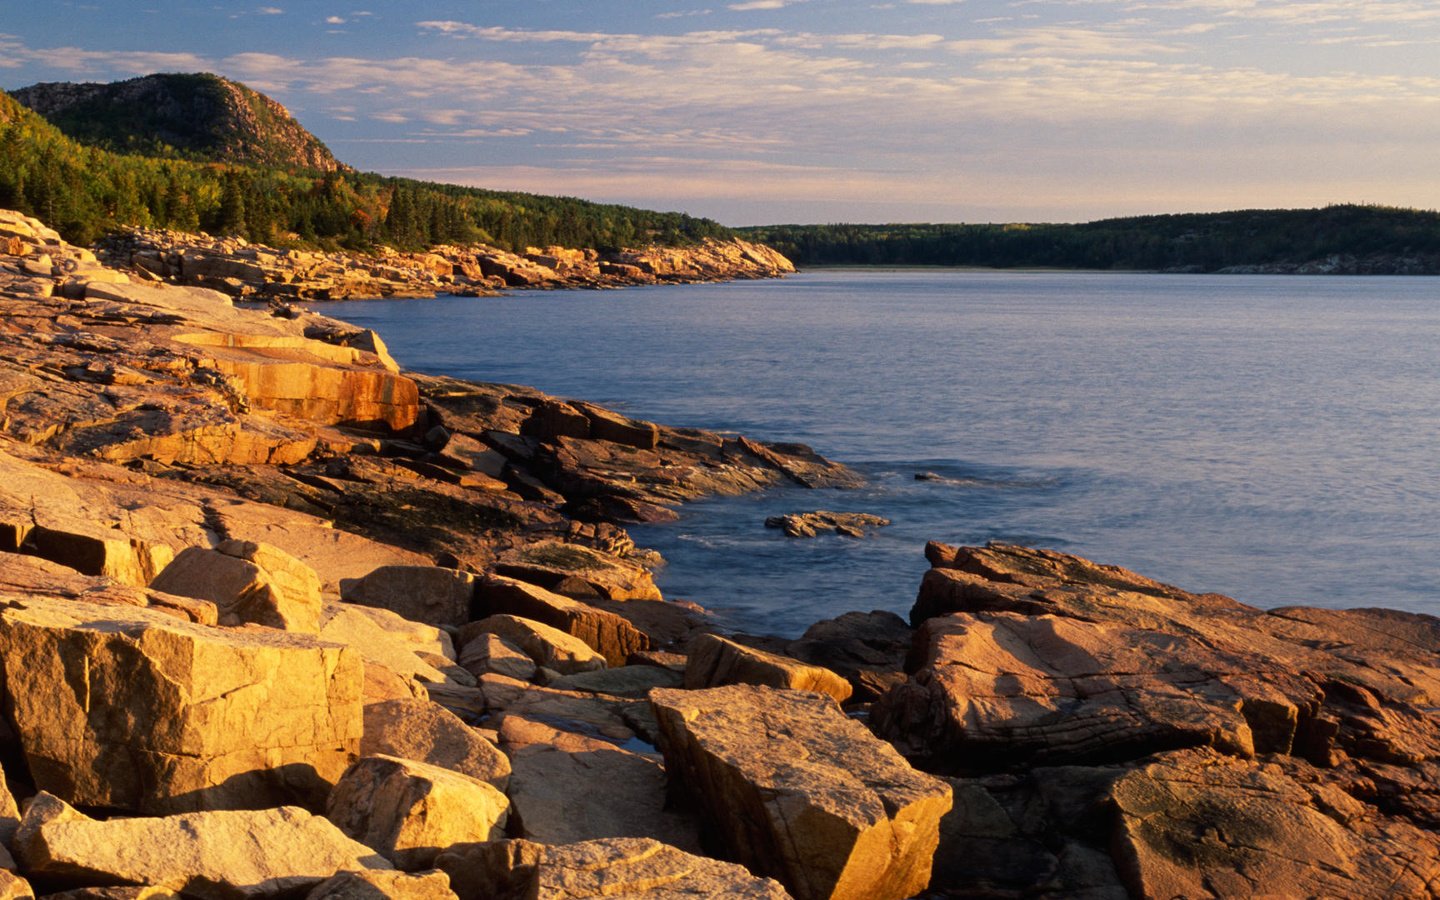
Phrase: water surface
(1272, 438)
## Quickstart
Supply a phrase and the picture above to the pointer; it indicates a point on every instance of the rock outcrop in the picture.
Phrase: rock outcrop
(253, 271)
(1236, 749)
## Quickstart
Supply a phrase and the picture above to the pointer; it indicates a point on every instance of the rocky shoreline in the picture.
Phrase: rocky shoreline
(278, 619)
(248, 271)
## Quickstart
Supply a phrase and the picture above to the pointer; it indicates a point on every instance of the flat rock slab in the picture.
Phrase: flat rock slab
(130, 708)
(617, 867)
(799, 791)
(1198, 824)
(222, 854)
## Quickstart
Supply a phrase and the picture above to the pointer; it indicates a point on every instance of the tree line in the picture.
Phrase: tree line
(1202, 242)
(85, 191)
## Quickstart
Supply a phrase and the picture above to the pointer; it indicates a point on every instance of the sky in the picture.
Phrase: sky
(795, 111)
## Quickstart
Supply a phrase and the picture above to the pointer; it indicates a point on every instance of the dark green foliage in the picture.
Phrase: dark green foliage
(1201, 242)
(85, 191)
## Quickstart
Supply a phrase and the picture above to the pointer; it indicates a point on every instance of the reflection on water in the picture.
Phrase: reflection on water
(1269, 438)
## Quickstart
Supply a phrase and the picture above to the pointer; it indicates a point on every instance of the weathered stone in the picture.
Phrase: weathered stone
(553, 419)
(13, 887)
(385, 639)
(410, 811)
(132, 709)
(145, 892)
(623, 681)
(799, 791)
(377, 884)
(814, 523)
(548, 647)
(425, 732)
(609, 426)
(605, 632)
(429, 594)
(484, 654)
(715, 661)
(1197, 824)
(619, 867)
(220, 854)
(248, 582)
(868, 649)
(578, 572)
(572, 788)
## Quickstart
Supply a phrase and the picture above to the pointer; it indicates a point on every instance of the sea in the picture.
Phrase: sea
(1273, 438)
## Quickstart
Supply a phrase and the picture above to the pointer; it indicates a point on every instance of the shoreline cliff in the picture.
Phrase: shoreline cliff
(247, 271)
(280, 619)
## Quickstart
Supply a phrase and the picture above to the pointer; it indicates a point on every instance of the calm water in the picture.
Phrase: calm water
(1271, 438)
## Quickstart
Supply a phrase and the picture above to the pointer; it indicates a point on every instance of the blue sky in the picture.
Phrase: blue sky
(765, 111)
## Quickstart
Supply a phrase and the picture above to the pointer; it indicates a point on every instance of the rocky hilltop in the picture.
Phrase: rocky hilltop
(279, 619)
(244, 270)
(196, 116)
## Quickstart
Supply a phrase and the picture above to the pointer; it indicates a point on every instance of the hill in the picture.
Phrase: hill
(1349, 239)
(88, 189)
(195, 116)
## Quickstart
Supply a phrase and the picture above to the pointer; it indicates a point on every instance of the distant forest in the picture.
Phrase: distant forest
(86, 191)
(1380, 238)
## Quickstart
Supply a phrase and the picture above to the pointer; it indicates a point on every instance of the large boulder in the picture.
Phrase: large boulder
(133, 709)
(430, 594)
(799, 791)
(715, 661)
(618, 867)
(222, 855)
(427, 732)
(410, 811)
(607, 633)
(247, 582)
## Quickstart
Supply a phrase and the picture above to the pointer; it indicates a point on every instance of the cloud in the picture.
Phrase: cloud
(334, 20)
(270, 11)
(762, 4)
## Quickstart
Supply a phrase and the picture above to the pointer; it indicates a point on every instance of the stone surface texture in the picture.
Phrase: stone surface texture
(220, 854)
(798, 791)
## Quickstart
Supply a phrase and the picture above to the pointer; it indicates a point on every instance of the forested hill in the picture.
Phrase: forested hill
(85, 190)
(1335, 239)
(199, 116)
